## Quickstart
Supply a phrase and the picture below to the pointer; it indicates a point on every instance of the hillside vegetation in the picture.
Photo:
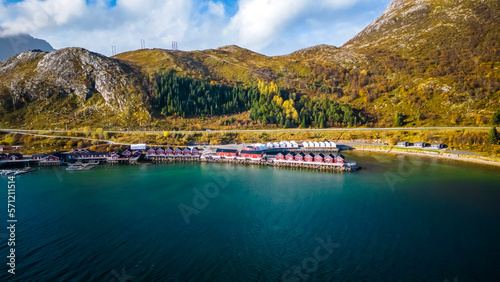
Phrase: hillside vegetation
(421, 63)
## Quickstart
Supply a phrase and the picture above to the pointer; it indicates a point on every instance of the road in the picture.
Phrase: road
(65, 137)
(255, 130)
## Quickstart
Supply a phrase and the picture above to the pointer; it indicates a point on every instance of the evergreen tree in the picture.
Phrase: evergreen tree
(398, 120)
(493, 136)
(495, 119)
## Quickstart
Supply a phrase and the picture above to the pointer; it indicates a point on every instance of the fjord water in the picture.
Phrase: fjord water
(397, 219)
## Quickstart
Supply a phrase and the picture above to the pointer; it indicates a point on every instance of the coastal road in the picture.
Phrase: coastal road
(65, 137)
(254, 130)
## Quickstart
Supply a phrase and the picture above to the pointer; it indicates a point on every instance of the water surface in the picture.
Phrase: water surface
(397, 219)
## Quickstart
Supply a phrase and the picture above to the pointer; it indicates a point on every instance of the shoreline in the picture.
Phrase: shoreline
(445, 156)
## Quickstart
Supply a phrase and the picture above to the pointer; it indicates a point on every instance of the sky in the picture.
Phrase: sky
(270, 27)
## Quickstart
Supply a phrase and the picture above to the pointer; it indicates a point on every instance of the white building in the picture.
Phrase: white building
(316, 144)
(138, 147)
(294, 144)
(276, 145)
(269, 145)
(283, 144)
(260, 147)
(311, 144)
(322, 144)
(305, 144)
(332, 144)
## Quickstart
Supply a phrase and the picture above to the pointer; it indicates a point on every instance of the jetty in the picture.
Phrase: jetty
(320, 156)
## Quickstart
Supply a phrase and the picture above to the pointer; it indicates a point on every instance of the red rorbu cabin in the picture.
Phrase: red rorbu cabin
(330, 159)
(126, 153)
(186, 152)
(290, 156)
(227, 153)
(177, 152)
(113, 156)
(195, 152)
(340, 159)
(309, 157)
(299, 157)
(151, 152)
(319, 158)
(160, 152)
(256, 155)
(280, 157)
(51, 159)
(169, 151)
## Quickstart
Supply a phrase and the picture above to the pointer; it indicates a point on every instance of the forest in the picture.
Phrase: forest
(175, 95)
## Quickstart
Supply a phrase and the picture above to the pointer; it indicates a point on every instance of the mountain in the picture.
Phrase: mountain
(421, 62)
(69, 82)
(16, 44)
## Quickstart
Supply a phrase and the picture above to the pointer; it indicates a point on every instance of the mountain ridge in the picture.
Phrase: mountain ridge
(432, 62)
(16, 44)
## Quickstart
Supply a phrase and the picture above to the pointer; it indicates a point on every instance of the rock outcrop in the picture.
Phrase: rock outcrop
(37, 75)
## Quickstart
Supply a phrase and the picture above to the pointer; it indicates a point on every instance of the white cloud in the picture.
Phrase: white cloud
(267, 26)
(216, 9)
(257, 22)
(31, 15)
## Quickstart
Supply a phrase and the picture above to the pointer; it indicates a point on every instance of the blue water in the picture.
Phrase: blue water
(397, 219)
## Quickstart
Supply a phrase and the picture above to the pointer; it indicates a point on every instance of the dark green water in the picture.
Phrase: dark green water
(398, 219)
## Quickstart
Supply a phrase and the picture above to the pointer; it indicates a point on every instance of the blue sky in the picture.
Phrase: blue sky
(270, 27)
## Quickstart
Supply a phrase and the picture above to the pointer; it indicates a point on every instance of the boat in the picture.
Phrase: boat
(81, 166)
(13, 172)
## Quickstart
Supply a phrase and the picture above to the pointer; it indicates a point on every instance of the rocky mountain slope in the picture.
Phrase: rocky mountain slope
(37, 75)
(430, 62)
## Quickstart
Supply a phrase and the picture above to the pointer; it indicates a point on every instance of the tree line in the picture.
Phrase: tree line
(268, 104)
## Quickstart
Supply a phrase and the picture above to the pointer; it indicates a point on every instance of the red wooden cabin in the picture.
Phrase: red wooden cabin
(227, 153)
(290, 156)
(178, 152)
(256, 155)
(319, 158)
(151, 152)
(186, 152)
(299, 157)
(195, 152)
(340, 159)
(330, 159)
(309, 157)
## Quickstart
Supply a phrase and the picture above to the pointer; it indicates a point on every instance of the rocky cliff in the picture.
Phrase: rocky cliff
(37, 75)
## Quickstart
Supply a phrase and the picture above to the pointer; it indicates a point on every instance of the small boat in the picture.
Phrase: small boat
(81, 166)
(13, 172)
